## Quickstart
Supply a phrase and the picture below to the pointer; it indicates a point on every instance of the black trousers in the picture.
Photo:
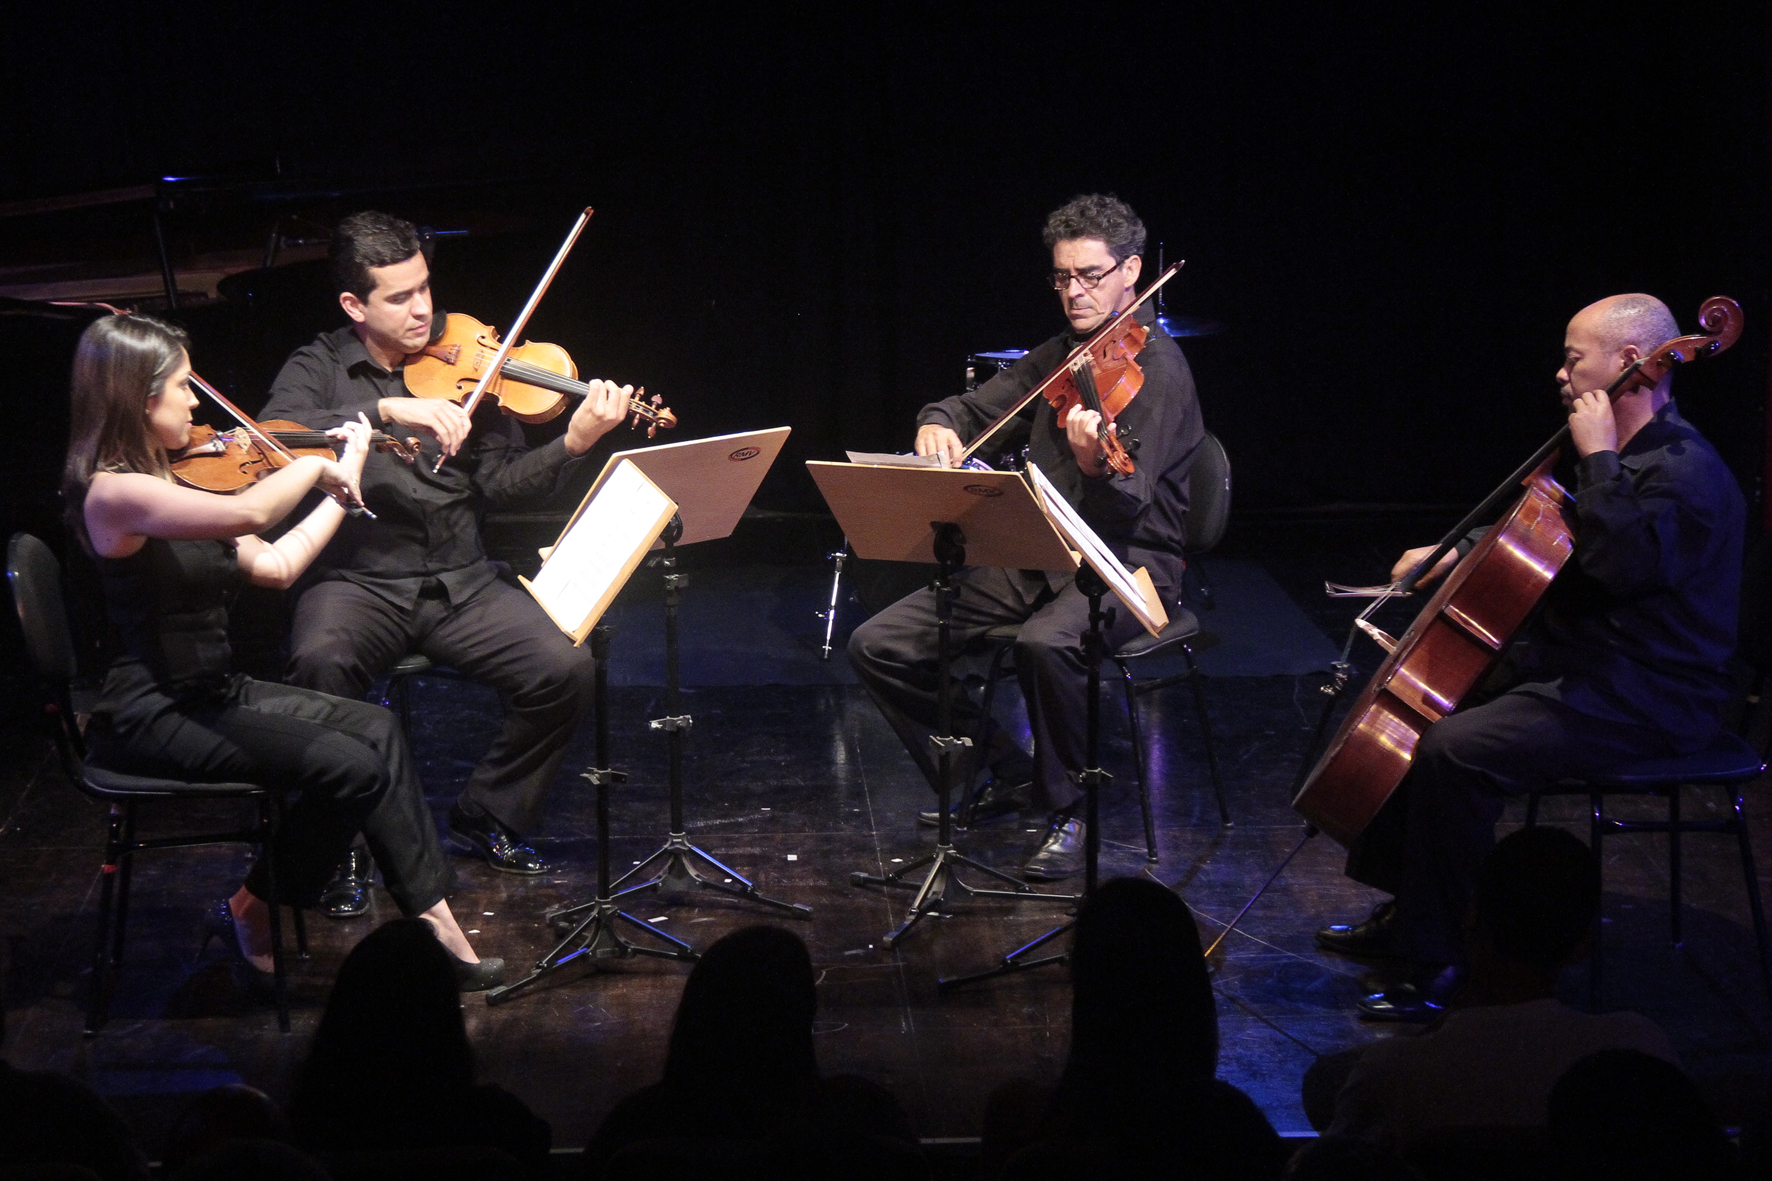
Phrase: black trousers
(344, 763)
(345, 636)
(1427, 843)
(894, 655)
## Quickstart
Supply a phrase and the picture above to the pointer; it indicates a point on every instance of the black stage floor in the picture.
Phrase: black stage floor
(799, 783)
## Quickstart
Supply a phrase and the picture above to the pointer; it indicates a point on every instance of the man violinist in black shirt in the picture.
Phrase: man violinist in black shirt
(1096, 243)
(415, 578)
(1625, 662)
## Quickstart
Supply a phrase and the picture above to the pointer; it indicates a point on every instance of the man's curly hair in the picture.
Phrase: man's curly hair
(1101, 216)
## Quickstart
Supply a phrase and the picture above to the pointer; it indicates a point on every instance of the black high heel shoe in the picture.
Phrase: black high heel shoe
(218, 923)
(477, 977)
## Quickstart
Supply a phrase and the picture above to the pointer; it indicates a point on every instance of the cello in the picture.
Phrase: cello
(1460, 634)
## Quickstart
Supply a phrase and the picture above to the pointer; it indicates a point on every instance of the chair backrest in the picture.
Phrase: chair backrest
(36, 581)
(1209, 495)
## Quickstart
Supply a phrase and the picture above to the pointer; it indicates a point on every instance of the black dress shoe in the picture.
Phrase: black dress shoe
(994, 799)
(478, 976)
(503, 849)
(1060, 855)
(1414, 1004)
(347, 895)
(1373, 939)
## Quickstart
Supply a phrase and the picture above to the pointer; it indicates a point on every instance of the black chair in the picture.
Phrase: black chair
(1728, 763)
(1209, 515)
(1209, 511)
(34, 575)
(397, 695)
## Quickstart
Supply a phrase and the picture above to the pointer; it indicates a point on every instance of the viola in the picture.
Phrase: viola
(1101, 374)
(226, 461)
(1473, 615)
(532, 384)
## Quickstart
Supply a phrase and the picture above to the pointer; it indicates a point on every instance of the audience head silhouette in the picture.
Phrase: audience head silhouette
(1537, 896)
(392, 1031)
(745, 1019)
(1141, 1008)
(1624, 1115)
(1343, 1158)
(221, 1115)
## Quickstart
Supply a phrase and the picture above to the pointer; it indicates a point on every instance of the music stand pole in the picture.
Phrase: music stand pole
(931, 895)
(591, 931)
(1092, 779)
(682, 870)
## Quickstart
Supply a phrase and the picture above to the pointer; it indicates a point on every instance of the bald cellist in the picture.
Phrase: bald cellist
(1625, 662)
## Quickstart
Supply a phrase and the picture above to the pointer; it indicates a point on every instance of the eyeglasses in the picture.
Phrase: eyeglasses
(1091, 279)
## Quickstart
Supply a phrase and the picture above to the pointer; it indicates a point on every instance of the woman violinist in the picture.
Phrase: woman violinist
(170, 559)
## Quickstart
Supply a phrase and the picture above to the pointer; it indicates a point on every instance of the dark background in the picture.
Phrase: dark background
(813, 217)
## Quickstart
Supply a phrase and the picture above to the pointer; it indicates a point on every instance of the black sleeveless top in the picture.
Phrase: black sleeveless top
(169, 601)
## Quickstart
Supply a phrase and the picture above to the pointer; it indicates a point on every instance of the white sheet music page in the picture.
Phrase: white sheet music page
(602, 545)
(1123, 582)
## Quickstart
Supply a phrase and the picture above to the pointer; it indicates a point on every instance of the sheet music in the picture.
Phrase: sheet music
(601, 547)
(1095, 551)
(887, 459)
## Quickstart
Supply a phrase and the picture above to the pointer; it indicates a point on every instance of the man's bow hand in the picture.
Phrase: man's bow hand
(934, 439)
(448, 422)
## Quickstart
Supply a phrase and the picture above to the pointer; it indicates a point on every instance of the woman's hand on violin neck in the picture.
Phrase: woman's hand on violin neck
(356, 438)
(446, 421)
(1082, 430)
(935, 439)
(600, 411)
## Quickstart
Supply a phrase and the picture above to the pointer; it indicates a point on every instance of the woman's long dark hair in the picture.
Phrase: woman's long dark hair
(745, 1019)
(391, 1042)
(120, 363)
(1142, 1013)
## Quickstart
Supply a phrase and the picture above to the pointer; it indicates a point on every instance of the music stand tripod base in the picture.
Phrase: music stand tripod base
(932, 893)
(591, 931)
(1092, 779)
(686, 867)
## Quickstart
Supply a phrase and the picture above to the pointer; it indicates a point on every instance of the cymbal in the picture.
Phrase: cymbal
(1190, 325)
(1004, 356)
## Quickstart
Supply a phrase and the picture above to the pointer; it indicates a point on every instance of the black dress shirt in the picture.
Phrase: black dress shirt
(1142, 517)
(1639, 625)
(427, 523)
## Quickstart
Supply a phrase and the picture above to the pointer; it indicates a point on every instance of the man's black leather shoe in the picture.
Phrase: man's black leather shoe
(994, 799)
(1404, 1004)
(1373, 939)
(503, 849)
(1414, 1004)
(347, 895)
(1060, 855)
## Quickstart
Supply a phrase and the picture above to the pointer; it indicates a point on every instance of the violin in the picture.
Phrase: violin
(1101, 374)
(226, 461)
(533, 384)
(229, 460)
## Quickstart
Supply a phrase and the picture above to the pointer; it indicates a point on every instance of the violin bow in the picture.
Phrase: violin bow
(265, 440)
(1076, 355)
(510, 339)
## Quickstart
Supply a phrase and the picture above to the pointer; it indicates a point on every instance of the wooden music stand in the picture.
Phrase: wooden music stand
(711, 480)
(953, 518)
